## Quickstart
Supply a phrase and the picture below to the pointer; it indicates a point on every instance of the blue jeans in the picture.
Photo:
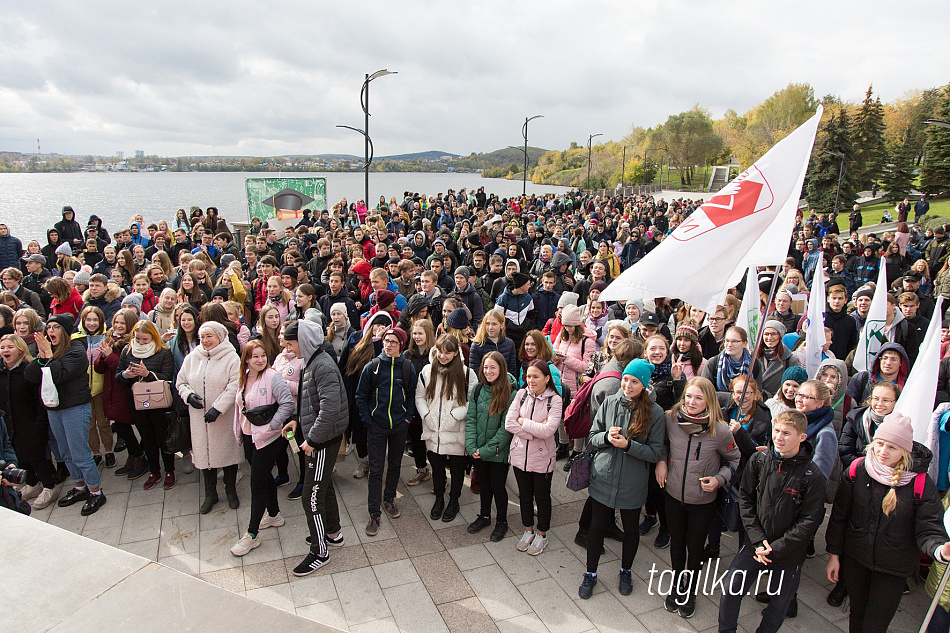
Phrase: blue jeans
(70, 427)
(781, 586)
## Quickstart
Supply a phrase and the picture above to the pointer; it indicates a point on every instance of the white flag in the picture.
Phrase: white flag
(750, 315)
(748, 223)
(815, 331)
(917, 399)
(871, 336)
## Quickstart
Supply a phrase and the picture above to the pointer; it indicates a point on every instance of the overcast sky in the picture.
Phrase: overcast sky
(254, 78)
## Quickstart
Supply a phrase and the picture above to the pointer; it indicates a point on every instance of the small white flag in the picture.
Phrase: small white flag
(917, 399)
(815, 330)
(871, 336)
(750, 315)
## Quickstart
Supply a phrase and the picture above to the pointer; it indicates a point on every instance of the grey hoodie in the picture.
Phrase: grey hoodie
(837, 398)
(323, 412)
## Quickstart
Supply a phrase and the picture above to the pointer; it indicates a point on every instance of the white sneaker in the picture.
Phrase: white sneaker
(272, 521)
(349, 448)
(525, 541)
(537, 545)
(245, 545)
(362, 469)
(28, 492)
(46, 497)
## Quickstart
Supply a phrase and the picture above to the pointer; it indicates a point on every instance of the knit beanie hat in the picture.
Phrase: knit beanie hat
(338, 307)
(687, 331)
(290, 271)
(520, 279)
(81, 278)
(617, 323)
(641, 369)
(599, 285)
(636, 302)
(385, 298)
(463, 270)
(220, 291)
(798, 374)
(897, 429)
(135, 299)
(568, 299)
(458, 319)
(213, 326)
(864, 291)
(65, 321)
(400, 334)
(571, 315)
(64, 249)
(778, 326)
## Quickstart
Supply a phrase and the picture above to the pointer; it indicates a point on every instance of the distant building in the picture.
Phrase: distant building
(139, 154)
(120, 155)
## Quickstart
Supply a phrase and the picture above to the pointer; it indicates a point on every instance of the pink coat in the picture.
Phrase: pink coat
(578, 357)
(534, 445)
(288, 366)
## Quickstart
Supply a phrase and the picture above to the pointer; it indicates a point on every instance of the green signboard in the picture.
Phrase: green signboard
(283, 199)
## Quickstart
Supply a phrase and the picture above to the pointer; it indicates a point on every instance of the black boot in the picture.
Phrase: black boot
(837, 595)
(451, 510)
(210, 477)
(230, 486)
(438, 508)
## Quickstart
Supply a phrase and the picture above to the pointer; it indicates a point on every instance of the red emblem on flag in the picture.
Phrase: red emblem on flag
(749, 193)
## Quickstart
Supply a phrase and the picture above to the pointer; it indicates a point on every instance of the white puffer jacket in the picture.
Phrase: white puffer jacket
(443, 421)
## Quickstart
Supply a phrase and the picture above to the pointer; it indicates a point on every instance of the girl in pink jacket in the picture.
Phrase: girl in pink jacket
(533, 419)
(573, 347)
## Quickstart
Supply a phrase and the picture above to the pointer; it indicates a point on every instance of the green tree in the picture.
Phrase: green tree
(868, 140)
(898, 178)
(823, 174)
(690, 141)
(935, 173)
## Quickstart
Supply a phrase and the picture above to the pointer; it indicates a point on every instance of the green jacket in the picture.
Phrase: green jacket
(619, 478)
(936, 573)
(486, 433)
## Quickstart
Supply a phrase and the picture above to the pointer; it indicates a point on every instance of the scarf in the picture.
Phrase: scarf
(663, 370)
(871, 421)
(817, 420)
(883, 474)
(691, 425)
(142, 351)
(729, 369)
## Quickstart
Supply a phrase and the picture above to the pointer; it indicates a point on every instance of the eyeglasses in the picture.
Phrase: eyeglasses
(389, 341)
(716, 319)
(732, 342)
(801, 396)
(883, 400)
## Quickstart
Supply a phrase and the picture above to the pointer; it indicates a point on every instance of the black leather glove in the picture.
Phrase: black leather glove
(195, 401)
(211, 415)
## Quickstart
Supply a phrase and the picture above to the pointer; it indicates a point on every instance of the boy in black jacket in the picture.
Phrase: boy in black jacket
(782, 504)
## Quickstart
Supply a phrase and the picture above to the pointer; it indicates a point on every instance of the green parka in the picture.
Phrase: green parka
(619, 478)
(486, 433)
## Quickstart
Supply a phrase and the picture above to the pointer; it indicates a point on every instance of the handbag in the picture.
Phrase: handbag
(579, 477)
(48, 392)
(156, 394)
(259, 416)
(178, 433)
(728, 502)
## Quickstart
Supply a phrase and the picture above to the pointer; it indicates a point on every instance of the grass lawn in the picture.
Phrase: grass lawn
(872, 213)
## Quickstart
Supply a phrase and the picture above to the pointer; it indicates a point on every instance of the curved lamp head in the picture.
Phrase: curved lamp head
(368, 139)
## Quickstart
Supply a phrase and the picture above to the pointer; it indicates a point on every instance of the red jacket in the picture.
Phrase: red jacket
(72, 305)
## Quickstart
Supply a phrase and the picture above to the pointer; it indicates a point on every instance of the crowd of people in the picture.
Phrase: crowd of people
(468, 331)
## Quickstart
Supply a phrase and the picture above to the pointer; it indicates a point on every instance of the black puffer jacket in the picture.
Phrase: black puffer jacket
(854, 438)
(782, 501)
(891, 544)
(24, 413)
(70, 375)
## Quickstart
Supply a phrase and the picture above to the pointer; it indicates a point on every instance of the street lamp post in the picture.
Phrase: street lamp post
(364, 101)
(623, 168)
(643, 170)
(524, 133)
(840, 176)
(589, 139)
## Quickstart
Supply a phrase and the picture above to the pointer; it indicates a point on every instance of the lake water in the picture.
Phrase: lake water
(32, 203)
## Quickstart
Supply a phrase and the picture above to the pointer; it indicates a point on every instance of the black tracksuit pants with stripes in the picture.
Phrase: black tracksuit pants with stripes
(319, 498)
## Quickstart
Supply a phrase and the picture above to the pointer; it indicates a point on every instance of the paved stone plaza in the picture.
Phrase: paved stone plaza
(418, 575)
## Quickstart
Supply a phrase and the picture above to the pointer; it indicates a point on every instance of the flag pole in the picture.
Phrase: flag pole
(759, 334)
(935, 601)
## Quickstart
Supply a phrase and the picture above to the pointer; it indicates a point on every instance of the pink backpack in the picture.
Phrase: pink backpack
(577, 420)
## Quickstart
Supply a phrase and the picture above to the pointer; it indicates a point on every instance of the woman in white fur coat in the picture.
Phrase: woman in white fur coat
(442, 394)
(208, 382)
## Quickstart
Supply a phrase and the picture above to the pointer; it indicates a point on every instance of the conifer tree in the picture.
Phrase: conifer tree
(825, 168)
(868, 140)
(935, 174)
(898, 177)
